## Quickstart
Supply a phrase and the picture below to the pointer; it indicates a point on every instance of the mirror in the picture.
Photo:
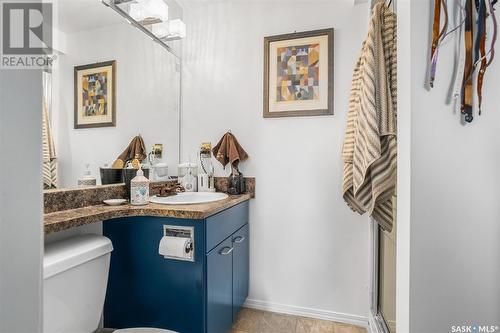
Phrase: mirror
(109, 83)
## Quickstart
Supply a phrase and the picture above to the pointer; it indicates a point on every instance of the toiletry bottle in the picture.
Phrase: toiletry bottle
(139, 189)
(187, 176)
(205, 169)
(87, 179)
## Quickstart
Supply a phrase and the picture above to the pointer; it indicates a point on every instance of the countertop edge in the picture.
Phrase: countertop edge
(67, 219)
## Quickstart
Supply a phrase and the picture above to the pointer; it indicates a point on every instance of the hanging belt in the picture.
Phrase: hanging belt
(480, 48)
(437, 35)
(485, 63)
(481, 31)
(495, 30)
(467, 86)
(459, 73)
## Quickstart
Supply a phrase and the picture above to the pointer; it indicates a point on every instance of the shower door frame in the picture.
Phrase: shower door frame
(376, 320)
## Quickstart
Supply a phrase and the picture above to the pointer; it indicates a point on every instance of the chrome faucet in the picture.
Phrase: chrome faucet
(168, 189)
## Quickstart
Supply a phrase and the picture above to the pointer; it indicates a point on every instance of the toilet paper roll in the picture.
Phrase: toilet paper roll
(174, 247)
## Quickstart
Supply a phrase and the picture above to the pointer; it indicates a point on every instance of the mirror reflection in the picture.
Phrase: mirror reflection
(111, 87)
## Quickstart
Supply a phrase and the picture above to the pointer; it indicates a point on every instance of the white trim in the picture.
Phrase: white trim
(308, 312)
(404, 166)
(392, 325)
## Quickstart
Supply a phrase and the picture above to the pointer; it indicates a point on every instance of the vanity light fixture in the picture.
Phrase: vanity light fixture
(136, 11)
(148, 11)
(176, 29)
(160, 30)
(169, 31)
(151, 17)
(157, 9)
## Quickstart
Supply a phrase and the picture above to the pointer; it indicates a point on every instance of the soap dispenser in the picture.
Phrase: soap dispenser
(139, 189)
(87, 179)
(187, 176)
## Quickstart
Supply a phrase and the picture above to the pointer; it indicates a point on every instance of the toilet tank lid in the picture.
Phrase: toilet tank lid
(68, 253)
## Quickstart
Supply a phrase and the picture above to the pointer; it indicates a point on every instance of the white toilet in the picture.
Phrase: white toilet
(75, 274)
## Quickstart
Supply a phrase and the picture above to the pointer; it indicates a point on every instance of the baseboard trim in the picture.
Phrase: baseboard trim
(392, 325)
(307, 312)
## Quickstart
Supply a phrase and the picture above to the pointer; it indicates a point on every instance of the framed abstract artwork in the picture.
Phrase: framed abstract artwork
(298, 74)
(95, 89)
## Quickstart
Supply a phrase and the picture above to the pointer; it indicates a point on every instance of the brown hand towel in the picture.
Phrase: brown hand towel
(135, 150)
(228, 150)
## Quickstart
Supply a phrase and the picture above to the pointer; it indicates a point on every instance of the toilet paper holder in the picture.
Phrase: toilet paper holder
(182, 232)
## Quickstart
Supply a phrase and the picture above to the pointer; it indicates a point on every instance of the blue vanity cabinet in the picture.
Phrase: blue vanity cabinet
(241, 263)
(220, 288)
(147, 290)
(144, 288)
(227, 267)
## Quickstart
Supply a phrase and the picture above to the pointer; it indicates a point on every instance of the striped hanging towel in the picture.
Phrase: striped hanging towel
(370, 150)
(49, 153)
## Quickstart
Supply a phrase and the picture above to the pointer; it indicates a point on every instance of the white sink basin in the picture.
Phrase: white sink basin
(188, 198)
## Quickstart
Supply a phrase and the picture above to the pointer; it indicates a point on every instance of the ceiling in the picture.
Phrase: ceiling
(72, 16)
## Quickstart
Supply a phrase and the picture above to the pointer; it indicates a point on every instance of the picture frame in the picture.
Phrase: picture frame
(95, 95)
(298, 74)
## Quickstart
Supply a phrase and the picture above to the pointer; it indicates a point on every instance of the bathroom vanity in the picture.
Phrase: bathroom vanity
(203, 295)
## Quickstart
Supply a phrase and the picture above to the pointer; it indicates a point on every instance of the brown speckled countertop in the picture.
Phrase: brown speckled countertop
(65, 199)
(65, 219)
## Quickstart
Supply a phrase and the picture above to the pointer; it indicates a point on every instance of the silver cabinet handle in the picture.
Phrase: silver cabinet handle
(226, 250)
(239, 239)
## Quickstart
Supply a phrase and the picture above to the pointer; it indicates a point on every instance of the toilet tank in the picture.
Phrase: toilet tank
(75, 275)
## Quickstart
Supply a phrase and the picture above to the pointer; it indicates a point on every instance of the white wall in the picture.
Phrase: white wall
(20, 201)
(147, 100)
(309, 252)
(455, 191)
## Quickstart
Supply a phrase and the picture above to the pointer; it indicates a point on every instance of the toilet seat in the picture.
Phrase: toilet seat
(143, 330)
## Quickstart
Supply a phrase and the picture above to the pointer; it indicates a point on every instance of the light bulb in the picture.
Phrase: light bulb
(160, 30)
(156, 9)
(136, 11)
(176, 29)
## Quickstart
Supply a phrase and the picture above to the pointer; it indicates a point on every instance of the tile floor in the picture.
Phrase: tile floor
(255, 321)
